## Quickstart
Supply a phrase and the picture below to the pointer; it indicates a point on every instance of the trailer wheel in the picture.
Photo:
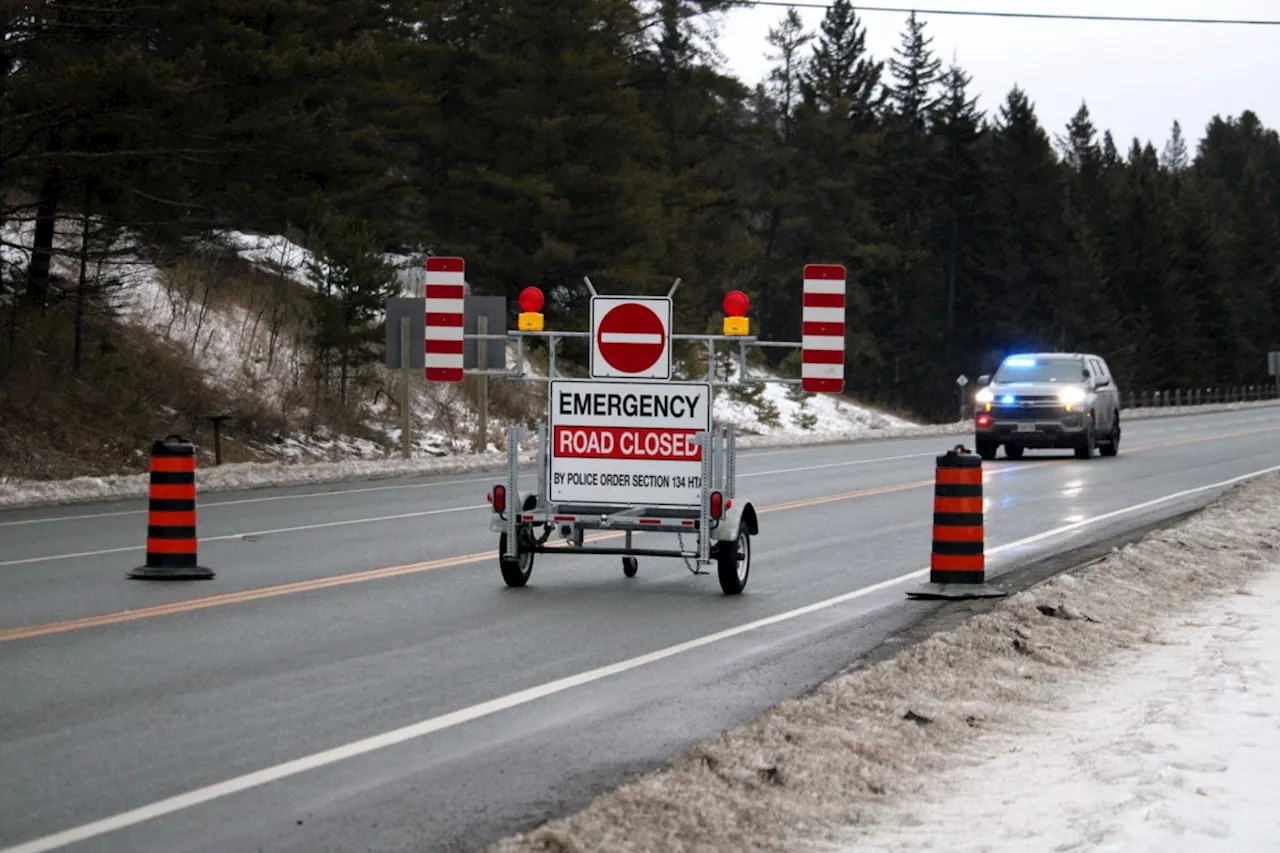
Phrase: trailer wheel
(515, 570)
(733, 559)
(630, 565)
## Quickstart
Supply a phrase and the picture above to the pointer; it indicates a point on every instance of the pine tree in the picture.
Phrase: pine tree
(916, 73)
(842, 79)
(783, 215)
(1175, 157)
(1255, 270)
(912, 278)
(541, 174)
(696, 164)
(1027, 264)
(957, 125)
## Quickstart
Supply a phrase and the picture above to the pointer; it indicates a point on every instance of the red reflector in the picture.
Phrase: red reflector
(499, 498)
(717, 504)
(650, 521)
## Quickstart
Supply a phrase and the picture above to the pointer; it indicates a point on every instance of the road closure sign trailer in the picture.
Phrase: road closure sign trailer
(627, 443)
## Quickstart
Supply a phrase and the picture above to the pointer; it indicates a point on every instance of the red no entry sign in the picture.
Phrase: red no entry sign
(629, 337)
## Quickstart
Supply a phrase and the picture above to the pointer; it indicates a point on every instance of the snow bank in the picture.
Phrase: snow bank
(1174, 751)
(855, 750)
(248, 475)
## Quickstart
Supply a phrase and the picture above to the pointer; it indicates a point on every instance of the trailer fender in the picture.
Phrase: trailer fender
(737, 515)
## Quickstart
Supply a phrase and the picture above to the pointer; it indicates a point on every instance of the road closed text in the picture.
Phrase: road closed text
(589, 442)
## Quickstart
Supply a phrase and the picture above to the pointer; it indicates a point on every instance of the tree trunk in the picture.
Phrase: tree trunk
(77, 352)
(46, 227)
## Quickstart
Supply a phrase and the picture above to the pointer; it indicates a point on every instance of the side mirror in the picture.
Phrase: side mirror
(984, 379)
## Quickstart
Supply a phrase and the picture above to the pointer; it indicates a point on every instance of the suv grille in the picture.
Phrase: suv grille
(1030, 407)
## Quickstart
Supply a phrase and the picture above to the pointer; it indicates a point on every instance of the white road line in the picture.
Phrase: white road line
(248, 533)
(210, 504)
(357, 748)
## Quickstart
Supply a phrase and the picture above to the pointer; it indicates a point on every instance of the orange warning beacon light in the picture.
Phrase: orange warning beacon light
(736, 305)
(530, 305)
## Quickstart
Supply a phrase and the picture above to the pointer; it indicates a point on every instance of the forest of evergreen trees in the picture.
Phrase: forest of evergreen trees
(547, 141)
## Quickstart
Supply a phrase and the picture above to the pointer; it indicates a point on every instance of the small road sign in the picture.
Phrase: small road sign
(962, 380)
(1273, 364)
(630, 337)
(627, 443)
(445, 294)
(822, 340)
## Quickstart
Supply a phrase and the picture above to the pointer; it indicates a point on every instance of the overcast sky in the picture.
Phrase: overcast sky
(1136, 77)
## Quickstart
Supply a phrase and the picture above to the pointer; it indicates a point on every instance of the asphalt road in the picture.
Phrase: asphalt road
(358, 678)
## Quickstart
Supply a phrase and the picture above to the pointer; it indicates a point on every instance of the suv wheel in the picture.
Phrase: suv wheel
(1085, 449)
(1112, 445)
(1013, 451)
(986, 448)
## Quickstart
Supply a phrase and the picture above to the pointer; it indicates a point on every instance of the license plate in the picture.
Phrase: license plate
(1025, 428)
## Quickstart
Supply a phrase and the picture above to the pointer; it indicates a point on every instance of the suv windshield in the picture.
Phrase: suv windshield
(1041, 370)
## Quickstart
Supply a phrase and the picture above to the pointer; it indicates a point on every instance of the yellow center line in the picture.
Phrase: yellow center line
(262, 593)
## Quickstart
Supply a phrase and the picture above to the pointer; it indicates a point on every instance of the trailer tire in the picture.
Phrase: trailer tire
(733, 561)
(630, 565)
(515, 571)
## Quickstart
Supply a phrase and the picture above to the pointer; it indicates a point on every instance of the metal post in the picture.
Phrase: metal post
(482, 402)
(217, 441)
(216, 420)
(704, 516)
(514, 504)
(544, 454)
(731, 462)
(406, 391)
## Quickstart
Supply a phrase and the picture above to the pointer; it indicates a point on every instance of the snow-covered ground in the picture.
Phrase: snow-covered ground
(1132, 705)
(1174, 751)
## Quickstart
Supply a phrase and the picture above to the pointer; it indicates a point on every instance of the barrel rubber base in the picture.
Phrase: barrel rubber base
(172, 573)
(956, 591)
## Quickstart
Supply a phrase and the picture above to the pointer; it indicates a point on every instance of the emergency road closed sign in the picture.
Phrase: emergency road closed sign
(627, 443)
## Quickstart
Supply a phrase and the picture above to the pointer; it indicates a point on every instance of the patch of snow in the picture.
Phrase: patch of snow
(237, 350)
(776, 410)
(272, 253)
(975, 738)
(1172, 751)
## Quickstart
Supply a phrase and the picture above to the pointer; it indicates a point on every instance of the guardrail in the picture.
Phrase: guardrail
(1181, 398)
(1216, 395)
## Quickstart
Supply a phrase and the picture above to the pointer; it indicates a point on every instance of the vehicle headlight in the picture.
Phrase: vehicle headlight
(1072, 396)
(985, 396)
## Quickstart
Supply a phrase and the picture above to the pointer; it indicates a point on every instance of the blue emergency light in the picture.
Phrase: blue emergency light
(1007, 398)
(1019, 361)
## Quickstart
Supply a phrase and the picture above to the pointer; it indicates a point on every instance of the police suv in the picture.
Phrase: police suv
(1048, 400)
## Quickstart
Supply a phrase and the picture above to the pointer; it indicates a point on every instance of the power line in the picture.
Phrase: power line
(1043, 16)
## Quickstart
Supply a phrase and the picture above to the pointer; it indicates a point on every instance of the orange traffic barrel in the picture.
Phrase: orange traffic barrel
(958, 563)
(171, 514)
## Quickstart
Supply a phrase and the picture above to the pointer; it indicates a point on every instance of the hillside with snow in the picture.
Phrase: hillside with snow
(232, 316)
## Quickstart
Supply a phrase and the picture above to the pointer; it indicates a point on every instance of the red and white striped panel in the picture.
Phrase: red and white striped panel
(444, 306)
(822, 339)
